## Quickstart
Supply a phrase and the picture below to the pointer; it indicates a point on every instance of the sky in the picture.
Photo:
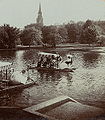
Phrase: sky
(23, 12)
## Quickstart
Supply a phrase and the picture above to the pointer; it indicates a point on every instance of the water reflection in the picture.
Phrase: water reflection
(30, 55)
(53, 76)
(65, 83)
(7, 55)
(48, 76)
(19, 61)
(91, 59)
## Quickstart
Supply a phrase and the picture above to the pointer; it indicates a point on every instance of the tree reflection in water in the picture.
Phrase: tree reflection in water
(91, 60)
(7, 55)
(49, 76)
(53, 76)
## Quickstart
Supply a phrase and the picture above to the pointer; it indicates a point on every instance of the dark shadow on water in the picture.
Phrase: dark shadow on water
(9, 98)
(30, 55)
(91, 59)
(14, 114)
(7, 55)
(55, 78)
(49, 76)
(99, 104)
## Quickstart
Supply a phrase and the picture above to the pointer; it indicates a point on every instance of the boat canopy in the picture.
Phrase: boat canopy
(48, 54)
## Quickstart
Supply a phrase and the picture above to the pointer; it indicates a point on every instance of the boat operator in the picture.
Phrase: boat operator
(44, 63)
(40, 61)
(69, 60)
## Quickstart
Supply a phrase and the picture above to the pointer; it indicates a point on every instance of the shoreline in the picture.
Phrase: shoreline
(78, 46)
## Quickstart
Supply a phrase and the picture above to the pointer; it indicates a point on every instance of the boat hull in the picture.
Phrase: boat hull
(53, 69)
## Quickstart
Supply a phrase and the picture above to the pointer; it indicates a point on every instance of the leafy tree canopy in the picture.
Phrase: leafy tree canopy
(8, 36)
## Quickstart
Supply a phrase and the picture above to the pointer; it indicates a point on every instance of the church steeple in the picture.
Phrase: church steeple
(39, 19)
(40, 11)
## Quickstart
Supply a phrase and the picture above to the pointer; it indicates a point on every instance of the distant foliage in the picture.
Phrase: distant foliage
(8, 36)
(31, 36)
(72, 32)
(25, 37)
(63, 34)
(51, 35)
(89, 32)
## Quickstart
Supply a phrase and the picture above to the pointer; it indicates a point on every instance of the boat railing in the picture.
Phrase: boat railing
(6, 70)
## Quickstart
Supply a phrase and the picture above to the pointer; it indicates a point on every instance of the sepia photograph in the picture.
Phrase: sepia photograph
(52, 59)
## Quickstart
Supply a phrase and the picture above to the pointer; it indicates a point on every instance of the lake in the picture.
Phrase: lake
(86, 84)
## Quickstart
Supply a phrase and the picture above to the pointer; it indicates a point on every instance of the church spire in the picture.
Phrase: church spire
(39, 19)
(40, 8)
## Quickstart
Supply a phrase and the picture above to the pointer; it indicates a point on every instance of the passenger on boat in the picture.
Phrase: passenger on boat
(53, 61)
(39, 64)
(48, 60)
(69, 60)
(53, 57)
(40, 61)
(44, 61)
(33, 62)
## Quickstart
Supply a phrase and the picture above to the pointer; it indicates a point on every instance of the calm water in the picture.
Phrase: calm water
(86, 84)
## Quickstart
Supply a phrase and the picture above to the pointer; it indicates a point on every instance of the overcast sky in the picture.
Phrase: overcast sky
(22, 12)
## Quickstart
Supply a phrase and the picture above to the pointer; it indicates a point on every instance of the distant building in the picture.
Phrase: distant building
(39, 19)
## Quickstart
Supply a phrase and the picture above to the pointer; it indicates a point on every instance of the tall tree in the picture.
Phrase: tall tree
(31, 36)
(89, 33)
(8, 36)
(72, 32)
(50, 35)
(63, 34)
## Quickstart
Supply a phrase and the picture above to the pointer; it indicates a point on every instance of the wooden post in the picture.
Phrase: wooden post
(6, 74)
(28, 72)
(1, 74)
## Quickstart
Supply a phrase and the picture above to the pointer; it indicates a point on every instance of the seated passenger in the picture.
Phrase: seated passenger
(53, 61)
(40, 61)
(52, 64)
(39, 64)
(48, 60)
(44, 64)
